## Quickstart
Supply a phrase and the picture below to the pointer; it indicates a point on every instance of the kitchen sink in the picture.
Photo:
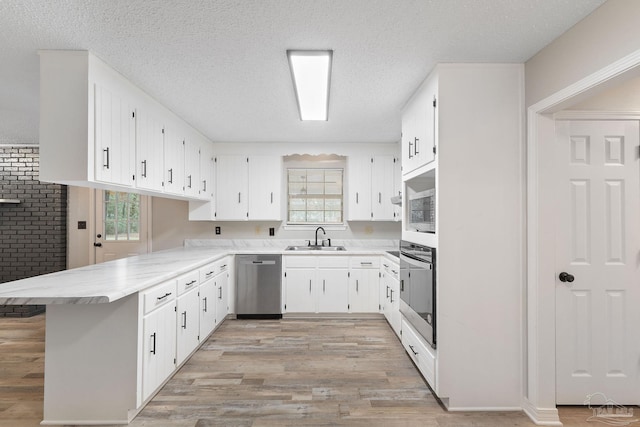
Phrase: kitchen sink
(315, 248)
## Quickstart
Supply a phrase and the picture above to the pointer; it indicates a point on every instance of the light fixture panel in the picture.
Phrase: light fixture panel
(311, 74)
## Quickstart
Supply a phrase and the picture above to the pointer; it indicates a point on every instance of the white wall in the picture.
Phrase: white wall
(608, 34)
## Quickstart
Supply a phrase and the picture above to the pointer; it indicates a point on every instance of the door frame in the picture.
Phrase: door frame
(539, 352)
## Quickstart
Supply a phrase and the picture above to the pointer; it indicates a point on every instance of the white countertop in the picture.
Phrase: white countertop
(110, 281)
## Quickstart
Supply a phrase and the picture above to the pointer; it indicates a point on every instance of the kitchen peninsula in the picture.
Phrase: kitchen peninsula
(107, 325)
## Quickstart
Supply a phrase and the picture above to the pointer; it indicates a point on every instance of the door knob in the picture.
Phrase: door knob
(566, 277)
(97, 245)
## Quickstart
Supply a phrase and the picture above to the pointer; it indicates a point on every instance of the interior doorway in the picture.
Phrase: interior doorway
(121, 225)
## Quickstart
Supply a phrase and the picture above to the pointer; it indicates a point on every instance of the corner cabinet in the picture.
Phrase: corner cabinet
(99, 130)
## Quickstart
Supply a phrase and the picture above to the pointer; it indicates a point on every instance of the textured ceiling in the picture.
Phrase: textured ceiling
(221, 64)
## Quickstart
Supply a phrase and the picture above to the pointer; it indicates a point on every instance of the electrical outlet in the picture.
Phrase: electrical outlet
(218, 231)
(272, 231)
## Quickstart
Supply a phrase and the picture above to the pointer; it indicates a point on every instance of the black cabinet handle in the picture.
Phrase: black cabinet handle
(356, 285)
(387, 292)
(410, 145)
(171, 176)
(204, 185)
(144, 168)
(415, 353)
(415, 147)
(204, 301)
(189, 181)
(164, 296)
(220, 292)
(153, 348)
(106, 150)
(190, 283)
(184, 320)
(391, 295)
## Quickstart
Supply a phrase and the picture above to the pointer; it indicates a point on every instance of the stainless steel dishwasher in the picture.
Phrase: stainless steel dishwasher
(258, 286)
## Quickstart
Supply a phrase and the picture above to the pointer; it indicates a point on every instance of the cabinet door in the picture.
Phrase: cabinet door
(173, 161)
(407, 138)
(188, 328)
(231, 188)
(149, 150)
(207, 308)
(360, 188)
(298, 290)
(424, 139)
(222, 296)
(192, 182)
(382, 188)
(397, 187)
(159, 348)
(333, 291)
(115, 130)
(207, 173)
(265, 183)
(393, 316)
(364, 285)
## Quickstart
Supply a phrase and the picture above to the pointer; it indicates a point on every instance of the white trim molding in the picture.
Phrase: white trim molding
(539, 399)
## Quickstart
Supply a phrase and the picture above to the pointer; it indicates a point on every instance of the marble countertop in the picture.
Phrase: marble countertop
(110, 281)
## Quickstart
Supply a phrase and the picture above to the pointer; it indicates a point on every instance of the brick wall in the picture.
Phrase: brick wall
(33, 233)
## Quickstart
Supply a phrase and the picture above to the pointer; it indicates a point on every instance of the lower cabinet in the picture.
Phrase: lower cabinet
(221, 283)
(420, 352)
(207, 301)
(188, 328)
(316, 284)
(390, 295)
(159, 338)
(364, 279)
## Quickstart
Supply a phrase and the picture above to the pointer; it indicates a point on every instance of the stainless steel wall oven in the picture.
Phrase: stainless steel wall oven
(418, 288)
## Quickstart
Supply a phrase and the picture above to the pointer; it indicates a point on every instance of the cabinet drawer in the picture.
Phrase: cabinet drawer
(391, 269)
(365, 262)
(159, 295)
(188, 281)
(420, 352)
(207, 272)
(222, 265)
(333, 262)
(299, 261)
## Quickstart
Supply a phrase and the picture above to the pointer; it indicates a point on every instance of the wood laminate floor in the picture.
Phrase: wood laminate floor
(320, 372)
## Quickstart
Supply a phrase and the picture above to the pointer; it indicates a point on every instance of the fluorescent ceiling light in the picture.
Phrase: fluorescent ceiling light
(311, 73)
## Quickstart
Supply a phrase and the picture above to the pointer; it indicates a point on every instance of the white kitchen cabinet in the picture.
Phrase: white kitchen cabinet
(371, 185)
(99, 130)
(316, 284)
(149, 150)
(205, 210)
(207, 308)
(232, 202)
(188, 313)
(332, 290)
(360, 185)
(420, 352)
(364, 284)
(159, 337)
(222, 286)
(397, 188)
(174, 150)
(115, 132)
(265, 188)
(419, 127)
(390, 294)
(192, 184)
(298, 290)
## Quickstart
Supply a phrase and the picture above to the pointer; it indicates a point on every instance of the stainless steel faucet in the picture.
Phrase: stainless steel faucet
(324, 232)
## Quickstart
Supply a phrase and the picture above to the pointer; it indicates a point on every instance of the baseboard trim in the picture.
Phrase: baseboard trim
(541, 416)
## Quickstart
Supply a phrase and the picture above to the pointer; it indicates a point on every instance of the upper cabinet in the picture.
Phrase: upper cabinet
(372, 183)
(265, 188)
(99, 130)
(232, 182)
(419, 127)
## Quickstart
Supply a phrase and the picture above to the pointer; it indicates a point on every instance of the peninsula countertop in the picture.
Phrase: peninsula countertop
(110, 281)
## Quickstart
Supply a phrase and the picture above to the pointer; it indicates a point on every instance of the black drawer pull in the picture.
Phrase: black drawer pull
(415, 353)
(164, 296)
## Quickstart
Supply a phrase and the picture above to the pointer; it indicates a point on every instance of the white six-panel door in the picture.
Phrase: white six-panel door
(597, 245)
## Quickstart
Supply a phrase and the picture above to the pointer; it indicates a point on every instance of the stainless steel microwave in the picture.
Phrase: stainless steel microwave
(422, 211)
